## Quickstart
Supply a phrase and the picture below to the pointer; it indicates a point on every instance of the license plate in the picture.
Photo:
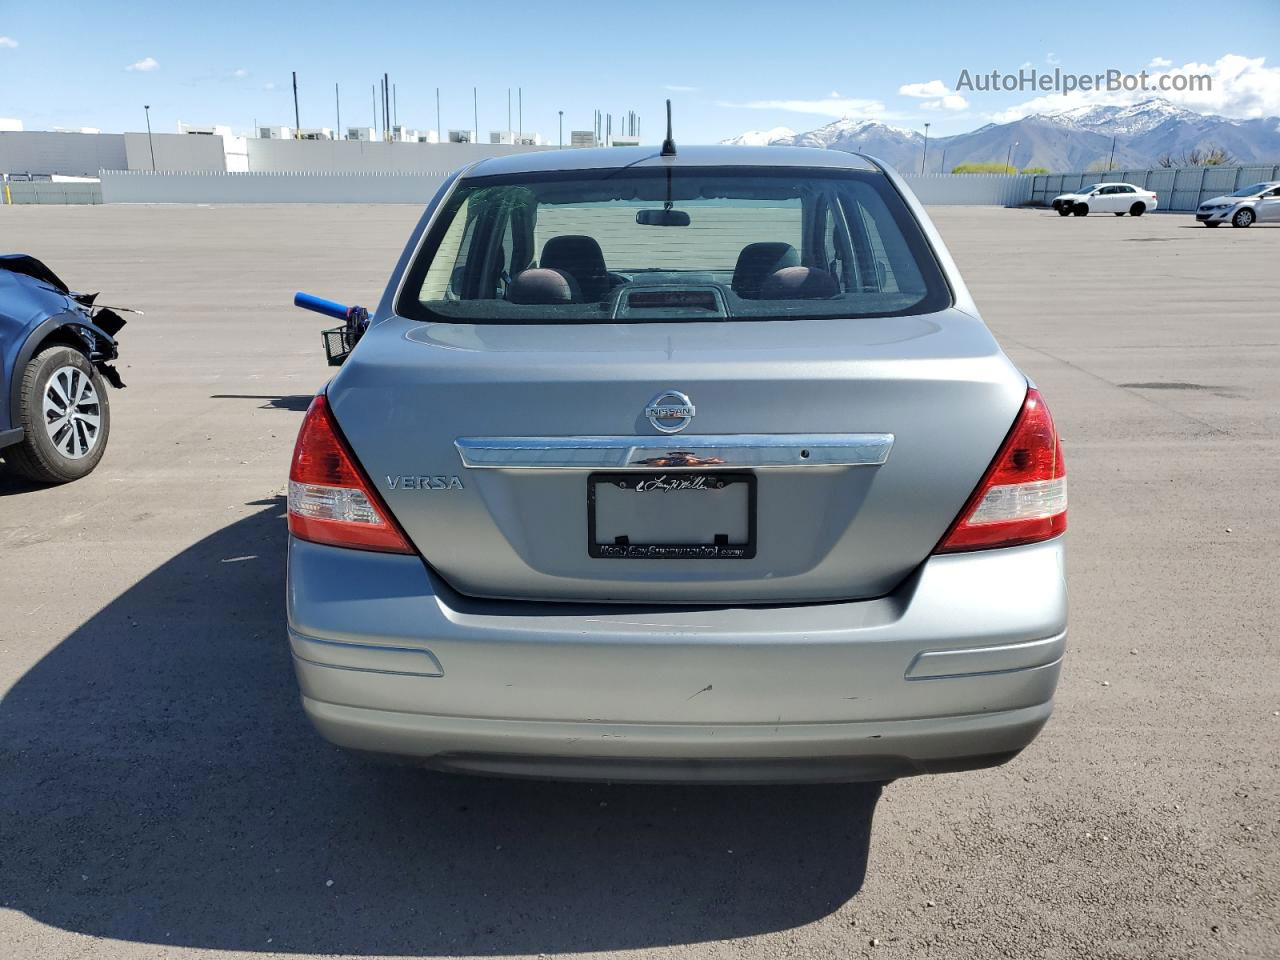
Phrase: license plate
(671, 516)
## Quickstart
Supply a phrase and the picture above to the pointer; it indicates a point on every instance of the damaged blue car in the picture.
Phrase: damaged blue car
(56, 348)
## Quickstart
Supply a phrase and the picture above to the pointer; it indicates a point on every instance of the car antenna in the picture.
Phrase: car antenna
(669, 144)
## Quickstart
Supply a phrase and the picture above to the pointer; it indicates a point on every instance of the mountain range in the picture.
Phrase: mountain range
(1077, 139)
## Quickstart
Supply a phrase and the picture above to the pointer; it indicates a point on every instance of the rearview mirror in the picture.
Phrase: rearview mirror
(662, 218)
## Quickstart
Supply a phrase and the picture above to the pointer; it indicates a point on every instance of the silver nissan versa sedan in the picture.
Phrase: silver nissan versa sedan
(678, 466)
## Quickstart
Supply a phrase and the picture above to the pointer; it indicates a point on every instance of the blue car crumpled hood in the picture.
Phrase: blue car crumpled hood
(33, 297)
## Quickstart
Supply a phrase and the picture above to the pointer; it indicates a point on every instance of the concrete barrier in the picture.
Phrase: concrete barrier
(43, 191)
(133, 186)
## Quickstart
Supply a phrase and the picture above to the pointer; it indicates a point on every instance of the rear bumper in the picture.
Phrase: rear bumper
(956, 669)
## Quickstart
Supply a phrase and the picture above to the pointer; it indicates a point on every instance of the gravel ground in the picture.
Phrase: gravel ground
(162, 796)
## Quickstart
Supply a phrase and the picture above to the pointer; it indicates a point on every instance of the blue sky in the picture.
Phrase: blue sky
(729, 67)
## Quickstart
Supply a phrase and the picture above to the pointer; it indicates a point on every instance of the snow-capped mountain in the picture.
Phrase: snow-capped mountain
(1083, 138)
(1132, 120)
(850, 133)
(761, 138)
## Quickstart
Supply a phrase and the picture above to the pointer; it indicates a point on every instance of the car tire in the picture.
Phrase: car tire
(1080, 210)
(1138, 209)
(1057, 205)
(1063, 210)
(1213, 223)
(1243, 218)
(57, 449)
(1119, 213)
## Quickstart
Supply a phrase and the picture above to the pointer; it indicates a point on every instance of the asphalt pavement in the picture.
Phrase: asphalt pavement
(161, 794)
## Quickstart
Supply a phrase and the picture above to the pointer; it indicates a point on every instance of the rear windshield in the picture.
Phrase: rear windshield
(655, 244)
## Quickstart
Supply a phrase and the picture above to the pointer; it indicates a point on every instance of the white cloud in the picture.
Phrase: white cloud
(952, 101)
(829, 107)
(941, 96)
(145, 65)
(240, 73)
(8, 42)
(10, 124)
(1240, 87)
(1052, 59)
(934, 88)
(269, 85)
(1160, 62)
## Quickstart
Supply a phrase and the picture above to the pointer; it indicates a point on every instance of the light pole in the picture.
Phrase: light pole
(146, 108)
(561, 129)
(1112, 160)
(297, 123)
(1009, 156)
(926, 148)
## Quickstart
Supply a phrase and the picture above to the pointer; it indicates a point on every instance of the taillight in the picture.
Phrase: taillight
(1023, 497)
(330, 499)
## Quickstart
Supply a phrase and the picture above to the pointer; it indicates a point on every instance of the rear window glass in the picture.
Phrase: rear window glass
(657, 244)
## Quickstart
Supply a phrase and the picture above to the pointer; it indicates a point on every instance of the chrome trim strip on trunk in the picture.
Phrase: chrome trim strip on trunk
(691, 451)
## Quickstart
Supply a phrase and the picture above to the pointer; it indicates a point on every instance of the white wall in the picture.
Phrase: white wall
(146, 187)
(351, 156)
(174, 151)
(73, 154)
(996, 189)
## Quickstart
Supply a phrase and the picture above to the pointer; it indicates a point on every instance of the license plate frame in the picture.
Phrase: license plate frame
(672, 551)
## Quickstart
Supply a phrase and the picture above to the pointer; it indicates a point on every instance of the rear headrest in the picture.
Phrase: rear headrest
(799, 283)
(540, 285)
(757, 261)
(581, 257)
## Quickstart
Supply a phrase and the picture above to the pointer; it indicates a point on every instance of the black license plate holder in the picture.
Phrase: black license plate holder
(658, 517)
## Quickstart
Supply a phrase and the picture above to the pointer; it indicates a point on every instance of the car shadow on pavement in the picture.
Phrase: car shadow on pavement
(297, 402)
(160, 784)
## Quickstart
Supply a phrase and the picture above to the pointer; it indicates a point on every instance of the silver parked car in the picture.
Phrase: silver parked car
(695, 466)
(1256, 203)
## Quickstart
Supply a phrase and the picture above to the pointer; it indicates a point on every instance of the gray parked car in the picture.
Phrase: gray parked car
(1256, 203)
(688, 467)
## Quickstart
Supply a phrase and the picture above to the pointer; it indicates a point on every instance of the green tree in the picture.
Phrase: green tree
(983, 168)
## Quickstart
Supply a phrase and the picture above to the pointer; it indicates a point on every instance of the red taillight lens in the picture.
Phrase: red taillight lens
(330, 500)
(1023, 497)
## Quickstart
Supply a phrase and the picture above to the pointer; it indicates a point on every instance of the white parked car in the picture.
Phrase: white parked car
(1258, 202)
(1117, 198)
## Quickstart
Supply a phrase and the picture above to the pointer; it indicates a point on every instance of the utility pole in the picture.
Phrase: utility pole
(146, 108)
(942, 168)
(561, 129)
(926, 148)
(1009, 157)
(297, 123)
(337, 110)
(1112, 160)
(386, 107)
